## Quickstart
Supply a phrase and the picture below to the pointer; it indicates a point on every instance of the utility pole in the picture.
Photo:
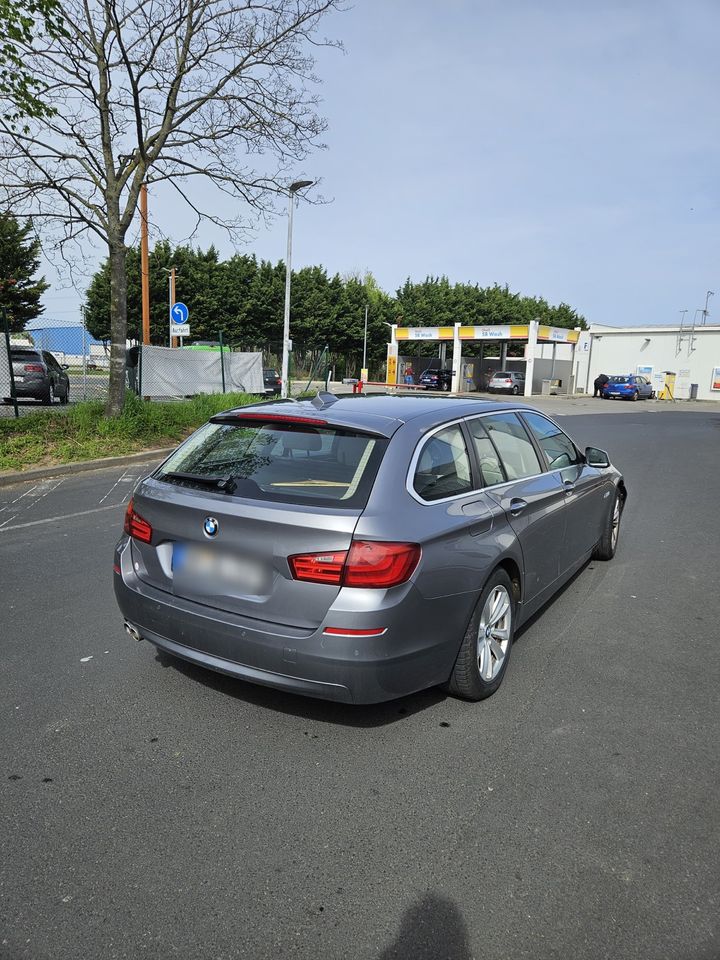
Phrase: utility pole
(171, 302)
(144, 265)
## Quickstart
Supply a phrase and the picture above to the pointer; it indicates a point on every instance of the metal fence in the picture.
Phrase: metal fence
(76, 366)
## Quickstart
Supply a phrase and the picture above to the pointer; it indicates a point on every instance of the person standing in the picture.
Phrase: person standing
(599, 384)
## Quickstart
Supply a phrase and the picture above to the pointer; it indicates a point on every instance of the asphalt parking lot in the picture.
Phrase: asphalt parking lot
(149, 809)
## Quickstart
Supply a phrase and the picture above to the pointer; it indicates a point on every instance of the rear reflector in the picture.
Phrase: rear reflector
(368, 563)
(281, 418)
(136, 526)
(345, 632)
(116, 568)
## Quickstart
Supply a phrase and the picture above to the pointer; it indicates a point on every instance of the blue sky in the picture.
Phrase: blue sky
(568, 149)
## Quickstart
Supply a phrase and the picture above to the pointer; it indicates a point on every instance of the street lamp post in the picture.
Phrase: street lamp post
(292, 190)
(365, 340)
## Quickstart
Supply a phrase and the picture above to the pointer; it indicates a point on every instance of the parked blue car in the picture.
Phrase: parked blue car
(628, 388)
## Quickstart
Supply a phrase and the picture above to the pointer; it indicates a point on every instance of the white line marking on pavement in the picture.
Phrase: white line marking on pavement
(113, 486)
(30, 504)
(66, 516)
(8, 505)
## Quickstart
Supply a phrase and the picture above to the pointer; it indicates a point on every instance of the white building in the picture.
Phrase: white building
(691, 353)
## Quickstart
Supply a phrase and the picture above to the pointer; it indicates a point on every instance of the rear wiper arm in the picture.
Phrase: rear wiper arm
(226, 484)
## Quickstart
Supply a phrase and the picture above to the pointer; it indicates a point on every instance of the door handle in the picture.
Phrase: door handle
(569, 486)
(517, 506)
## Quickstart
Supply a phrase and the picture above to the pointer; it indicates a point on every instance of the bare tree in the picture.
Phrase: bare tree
(162, 90)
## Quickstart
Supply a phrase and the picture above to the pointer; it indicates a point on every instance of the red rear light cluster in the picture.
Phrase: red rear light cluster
(368, 563)
(318, 567)
(34, 368)
(135, 526)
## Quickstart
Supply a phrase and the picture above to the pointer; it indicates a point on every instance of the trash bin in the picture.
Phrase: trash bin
(546, 388)
(693, 391)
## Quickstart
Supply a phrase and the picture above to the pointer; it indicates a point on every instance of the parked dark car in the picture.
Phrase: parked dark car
(628, 388)
(38, 375)
(507, 381)
(272, 381)
(362, 548)
(435, 379)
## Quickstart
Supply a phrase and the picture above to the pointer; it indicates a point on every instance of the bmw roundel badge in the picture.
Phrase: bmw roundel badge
(210, 527)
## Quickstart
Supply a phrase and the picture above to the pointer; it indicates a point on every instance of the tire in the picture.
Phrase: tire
(66, 396)
(515, 391)
(478, 670)
(634, 397)
(46, 397)
(446, 387)
(607, 545)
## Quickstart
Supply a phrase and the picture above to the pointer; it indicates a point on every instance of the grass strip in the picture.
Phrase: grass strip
(82, 432)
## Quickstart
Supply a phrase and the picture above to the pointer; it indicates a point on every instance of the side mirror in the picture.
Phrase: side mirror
(596, 458)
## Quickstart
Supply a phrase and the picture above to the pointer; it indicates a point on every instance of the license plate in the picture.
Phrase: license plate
(203, 570)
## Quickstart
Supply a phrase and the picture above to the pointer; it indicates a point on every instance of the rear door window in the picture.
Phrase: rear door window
(517, 453)
(558, 449)
(491, 469)
(443, 467)
(282, 462)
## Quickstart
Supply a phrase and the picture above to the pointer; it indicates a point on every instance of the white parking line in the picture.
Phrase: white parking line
(113, 486)
(65, 516)
(31, 503)
(8, 505)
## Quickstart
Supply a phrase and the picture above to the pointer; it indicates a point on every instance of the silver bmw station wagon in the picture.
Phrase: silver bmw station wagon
(362, 548)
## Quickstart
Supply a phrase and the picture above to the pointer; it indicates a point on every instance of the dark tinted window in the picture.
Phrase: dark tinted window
(51, 361)
(558, 449)
(510, 438)
(443, 468)
(26, 356)
(491, 470)
(619, 379)
(291, 463)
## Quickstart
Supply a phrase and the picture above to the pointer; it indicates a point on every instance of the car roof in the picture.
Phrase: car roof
(380, 413)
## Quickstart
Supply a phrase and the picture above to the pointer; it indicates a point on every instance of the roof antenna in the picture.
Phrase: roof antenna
(324, 399)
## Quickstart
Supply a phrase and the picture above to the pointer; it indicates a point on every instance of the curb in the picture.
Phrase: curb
(82, 466)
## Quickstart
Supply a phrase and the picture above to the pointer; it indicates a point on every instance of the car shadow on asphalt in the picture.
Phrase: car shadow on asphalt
(325, 711)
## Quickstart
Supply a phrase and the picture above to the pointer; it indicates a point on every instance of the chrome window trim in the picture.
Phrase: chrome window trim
(476, 490)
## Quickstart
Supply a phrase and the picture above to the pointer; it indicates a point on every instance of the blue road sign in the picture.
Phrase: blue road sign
(179, 313)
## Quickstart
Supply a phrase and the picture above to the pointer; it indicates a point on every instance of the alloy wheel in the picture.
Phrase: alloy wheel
(615, 523)
(494, 633)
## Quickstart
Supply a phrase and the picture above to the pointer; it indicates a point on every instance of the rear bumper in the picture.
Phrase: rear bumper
(35, 389)
(417, 651)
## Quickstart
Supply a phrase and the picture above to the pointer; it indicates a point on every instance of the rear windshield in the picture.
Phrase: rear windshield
(287, 463)
(619, 379)
(24, 354)
(270, 373)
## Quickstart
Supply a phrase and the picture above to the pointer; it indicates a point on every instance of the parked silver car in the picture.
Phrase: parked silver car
(359, 549)
(507, 381)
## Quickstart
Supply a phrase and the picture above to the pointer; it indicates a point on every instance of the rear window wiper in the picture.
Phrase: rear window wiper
(226, 484)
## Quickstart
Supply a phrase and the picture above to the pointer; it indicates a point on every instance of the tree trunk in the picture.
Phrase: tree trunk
(118, 329)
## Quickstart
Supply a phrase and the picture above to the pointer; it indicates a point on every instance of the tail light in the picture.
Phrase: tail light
(318, 567)
(135, 526)
(368, 563)
(34, 368)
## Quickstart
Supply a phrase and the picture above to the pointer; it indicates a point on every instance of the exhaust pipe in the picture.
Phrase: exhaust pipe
(132, 632)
